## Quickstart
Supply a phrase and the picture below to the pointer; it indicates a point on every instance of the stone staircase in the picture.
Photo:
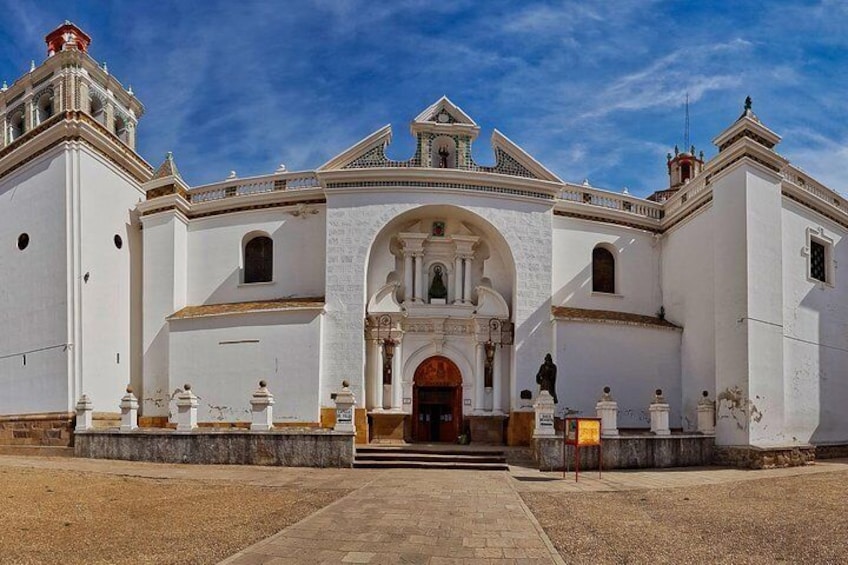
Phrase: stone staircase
(430, 457)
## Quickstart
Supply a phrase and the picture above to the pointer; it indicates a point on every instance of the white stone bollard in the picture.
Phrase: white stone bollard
(262, 409)
(129, 411)
(659, 415)
(345, 401)
(706, 415)
(186, 410)
(607, 411)
(544, 408)
(85, 409)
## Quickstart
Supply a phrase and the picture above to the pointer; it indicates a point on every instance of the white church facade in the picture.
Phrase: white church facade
(435, 286)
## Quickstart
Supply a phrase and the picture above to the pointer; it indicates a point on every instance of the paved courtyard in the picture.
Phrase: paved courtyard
(415, 516)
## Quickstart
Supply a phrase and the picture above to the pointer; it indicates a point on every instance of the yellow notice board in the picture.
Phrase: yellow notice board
(583, 431)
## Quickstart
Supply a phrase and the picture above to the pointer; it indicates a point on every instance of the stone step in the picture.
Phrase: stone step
(431, 457)
(36, 450)
(401, 464)
(407, 450)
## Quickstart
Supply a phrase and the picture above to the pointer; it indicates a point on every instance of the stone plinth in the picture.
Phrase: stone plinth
(706, 416)
(544, 408)
(487, 429)
(628, 452)
(290, 448)
(388, 427)
(659, 410)
(262, 409)
(607, 411)
(186, 410)
(85, 412)
(345, 401)
(129, 411)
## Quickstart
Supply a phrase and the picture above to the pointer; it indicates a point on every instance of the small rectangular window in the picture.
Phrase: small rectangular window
(818, 265)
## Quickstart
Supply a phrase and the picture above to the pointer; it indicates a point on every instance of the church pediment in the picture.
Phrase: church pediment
(444, 112)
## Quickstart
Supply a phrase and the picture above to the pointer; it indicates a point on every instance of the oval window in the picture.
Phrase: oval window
(23, 241)
(118, 241)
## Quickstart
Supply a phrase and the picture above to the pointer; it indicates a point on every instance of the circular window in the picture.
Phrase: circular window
(23, 241)
(118, 241)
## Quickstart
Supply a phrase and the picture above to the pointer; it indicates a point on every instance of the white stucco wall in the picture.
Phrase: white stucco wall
(110, 319)
(688, 298)
(224, 358)
(34, 293)
(633, 361)
(353, 221)
(815, 329)
(215, 256)
(636, 263)
(164, 275)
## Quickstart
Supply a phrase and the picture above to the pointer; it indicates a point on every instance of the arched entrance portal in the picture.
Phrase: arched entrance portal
(436, 400)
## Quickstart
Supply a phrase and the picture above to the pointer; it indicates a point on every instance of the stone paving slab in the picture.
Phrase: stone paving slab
(414, 516)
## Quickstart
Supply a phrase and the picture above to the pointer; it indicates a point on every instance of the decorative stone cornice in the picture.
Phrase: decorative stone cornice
(72, 126)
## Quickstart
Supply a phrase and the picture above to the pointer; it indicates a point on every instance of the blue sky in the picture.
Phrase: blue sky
(591, 89)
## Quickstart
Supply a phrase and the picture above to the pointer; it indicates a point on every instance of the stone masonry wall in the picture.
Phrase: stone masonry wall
(54, 430)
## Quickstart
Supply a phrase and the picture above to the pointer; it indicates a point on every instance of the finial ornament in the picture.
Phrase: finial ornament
(105, 68)
(232, 175)
(130, 91)
(31, 66)
(5, 87)
(747, 102)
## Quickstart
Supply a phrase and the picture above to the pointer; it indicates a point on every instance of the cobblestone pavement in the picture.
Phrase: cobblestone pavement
(417, 516)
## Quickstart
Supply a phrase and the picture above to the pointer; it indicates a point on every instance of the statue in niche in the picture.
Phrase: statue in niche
(546, 377)
(489, 365)
(438, 289)
(443, 157)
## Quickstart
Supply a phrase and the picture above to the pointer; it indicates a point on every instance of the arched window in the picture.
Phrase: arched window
(44, 106)
(122, 128)
(97, 109)
(603, 270)
(17, 124)
(259, 260)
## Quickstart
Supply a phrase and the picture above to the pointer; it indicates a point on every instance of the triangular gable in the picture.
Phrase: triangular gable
(370, 148)
(510, 156)
(443, 105)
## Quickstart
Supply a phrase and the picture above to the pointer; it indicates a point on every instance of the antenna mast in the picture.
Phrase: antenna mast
(686, 127)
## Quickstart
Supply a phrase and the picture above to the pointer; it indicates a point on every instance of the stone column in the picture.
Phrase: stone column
(129, 411)
(84, 413)
(407, 277)
(466, 287)
(186, 410)
(479, 381)
(607, 411)
(659, 415)
(262, 409)
(420, 295)
(706, 415)
(496, 381)
(377, 375)
(345, 401)
(457, 276)
(397, 377)
(544, 408)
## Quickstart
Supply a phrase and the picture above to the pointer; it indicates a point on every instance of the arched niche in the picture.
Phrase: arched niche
(492, 259)
(443, 152)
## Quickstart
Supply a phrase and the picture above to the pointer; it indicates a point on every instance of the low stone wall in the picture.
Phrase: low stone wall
(289, 448)
(643, 451)
(831, 451)
(749, 457)
(50, 429)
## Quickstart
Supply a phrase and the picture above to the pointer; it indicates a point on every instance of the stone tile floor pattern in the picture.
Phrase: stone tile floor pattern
(417, 516)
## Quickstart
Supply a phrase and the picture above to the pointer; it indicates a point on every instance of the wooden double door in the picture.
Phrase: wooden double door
(437, 401)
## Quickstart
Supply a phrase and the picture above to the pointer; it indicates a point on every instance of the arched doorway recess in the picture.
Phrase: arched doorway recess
(436, 401)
